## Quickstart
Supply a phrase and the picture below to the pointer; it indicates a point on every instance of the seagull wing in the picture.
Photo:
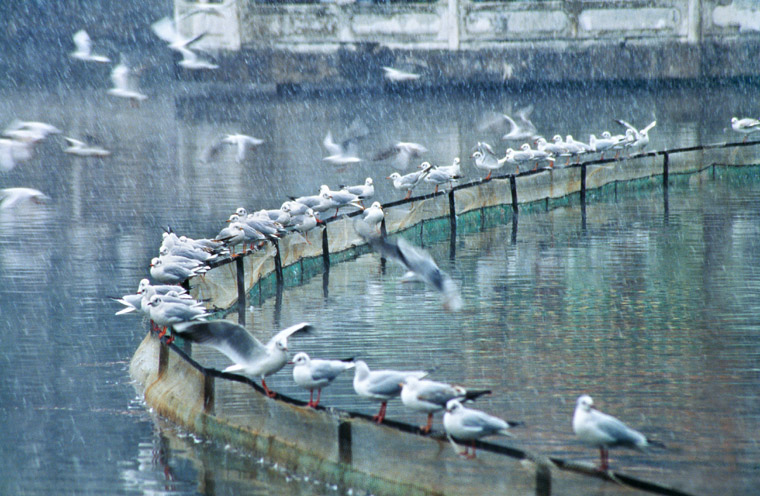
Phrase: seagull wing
(289, 331)
(231, 339)
(82, 42)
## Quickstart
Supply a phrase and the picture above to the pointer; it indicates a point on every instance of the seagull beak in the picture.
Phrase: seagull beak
(291, 362)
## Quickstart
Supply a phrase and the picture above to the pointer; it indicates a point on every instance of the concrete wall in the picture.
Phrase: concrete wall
(452, 40)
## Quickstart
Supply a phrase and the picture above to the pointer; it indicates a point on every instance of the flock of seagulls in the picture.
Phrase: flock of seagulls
(168, 305)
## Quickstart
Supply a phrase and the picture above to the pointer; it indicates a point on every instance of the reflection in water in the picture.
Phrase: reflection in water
(649, 305)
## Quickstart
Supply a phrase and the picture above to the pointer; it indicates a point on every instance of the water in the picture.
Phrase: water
(652, 312)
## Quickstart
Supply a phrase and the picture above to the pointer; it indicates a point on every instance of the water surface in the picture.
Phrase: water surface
(652, 311)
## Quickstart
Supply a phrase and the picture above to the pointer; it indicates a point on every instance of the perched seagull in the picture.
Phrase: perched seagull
(419, 264)
(409, 181)
(402, 153)
(439, 175)
(172, 273)
(341, 153)
(637, 139)
(745, 126)
(577, 148)
(363, 191)
(604, 431)
(82, 149)
(11, 197)
(165, 313)
(455, 169)
(429, 397)
(121, 84)
(303, 223)
(603, 144)
(372, 217)
(486, 159)
(252, 358)
(399, 76)
(537, 155)
(467, 424)
(522, 130)
(84, 49)
(556, 148)
(243, 142)
(381, 385)
(313, 373)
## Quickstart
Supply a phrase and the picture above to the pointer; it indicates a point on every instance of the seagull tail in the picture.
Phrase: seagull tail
(656, 444)
(473, 395)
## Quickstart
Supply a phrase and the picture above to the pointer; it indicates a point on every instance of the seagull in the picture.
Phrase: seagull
(165, 29)
(402, 153)
(604, 431)
(313, 373)
(577, 148)
(164, 312)
(121, 84)
(172, 273)
(340, 153)
(84, 49)
(429, 397)
(252, 358)
(372, 217)
(408, 181)
(13, 152)
(82, 149)
(194, 62)
(363, 191)
(486, 159)
(381, 385)
(419, 264)
(243, 142)
(12, 197)
(467, 424)
(438, 176)
(399, 76)
(523, 130)
(746, 126)
(637, 139)
(37, 130)
(603, 144)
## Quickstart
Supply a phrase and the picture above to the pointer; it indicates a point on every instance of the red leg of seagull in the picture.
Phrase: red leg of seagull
(425, 429)
(471, 456)
(604, 459)
(311, 396)
(271, 394)
(170, 339)
(408, 194)
(162, 333)
(488, 176)
(381, 414)
(319, 393)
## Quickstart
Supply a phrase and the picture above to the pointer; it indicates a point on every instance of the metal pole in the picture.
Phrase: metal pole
(325, 249)
(513, 190)
(665, 164)
(241, 290)
(583, 184)
(278, 264)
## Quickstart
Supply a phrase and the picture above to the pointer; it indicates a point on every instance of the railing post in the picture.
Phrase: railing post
(665, 166)
(583, 184)
(278, 263)
(344, 442)
(208, 393)
(543, 480)
(452, 212)
(513, 190)
(325, 249)
(241, 290)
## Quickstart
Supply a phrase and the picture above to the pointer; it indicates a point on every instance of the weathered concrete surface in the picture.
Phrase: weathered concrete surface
(461, 41)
